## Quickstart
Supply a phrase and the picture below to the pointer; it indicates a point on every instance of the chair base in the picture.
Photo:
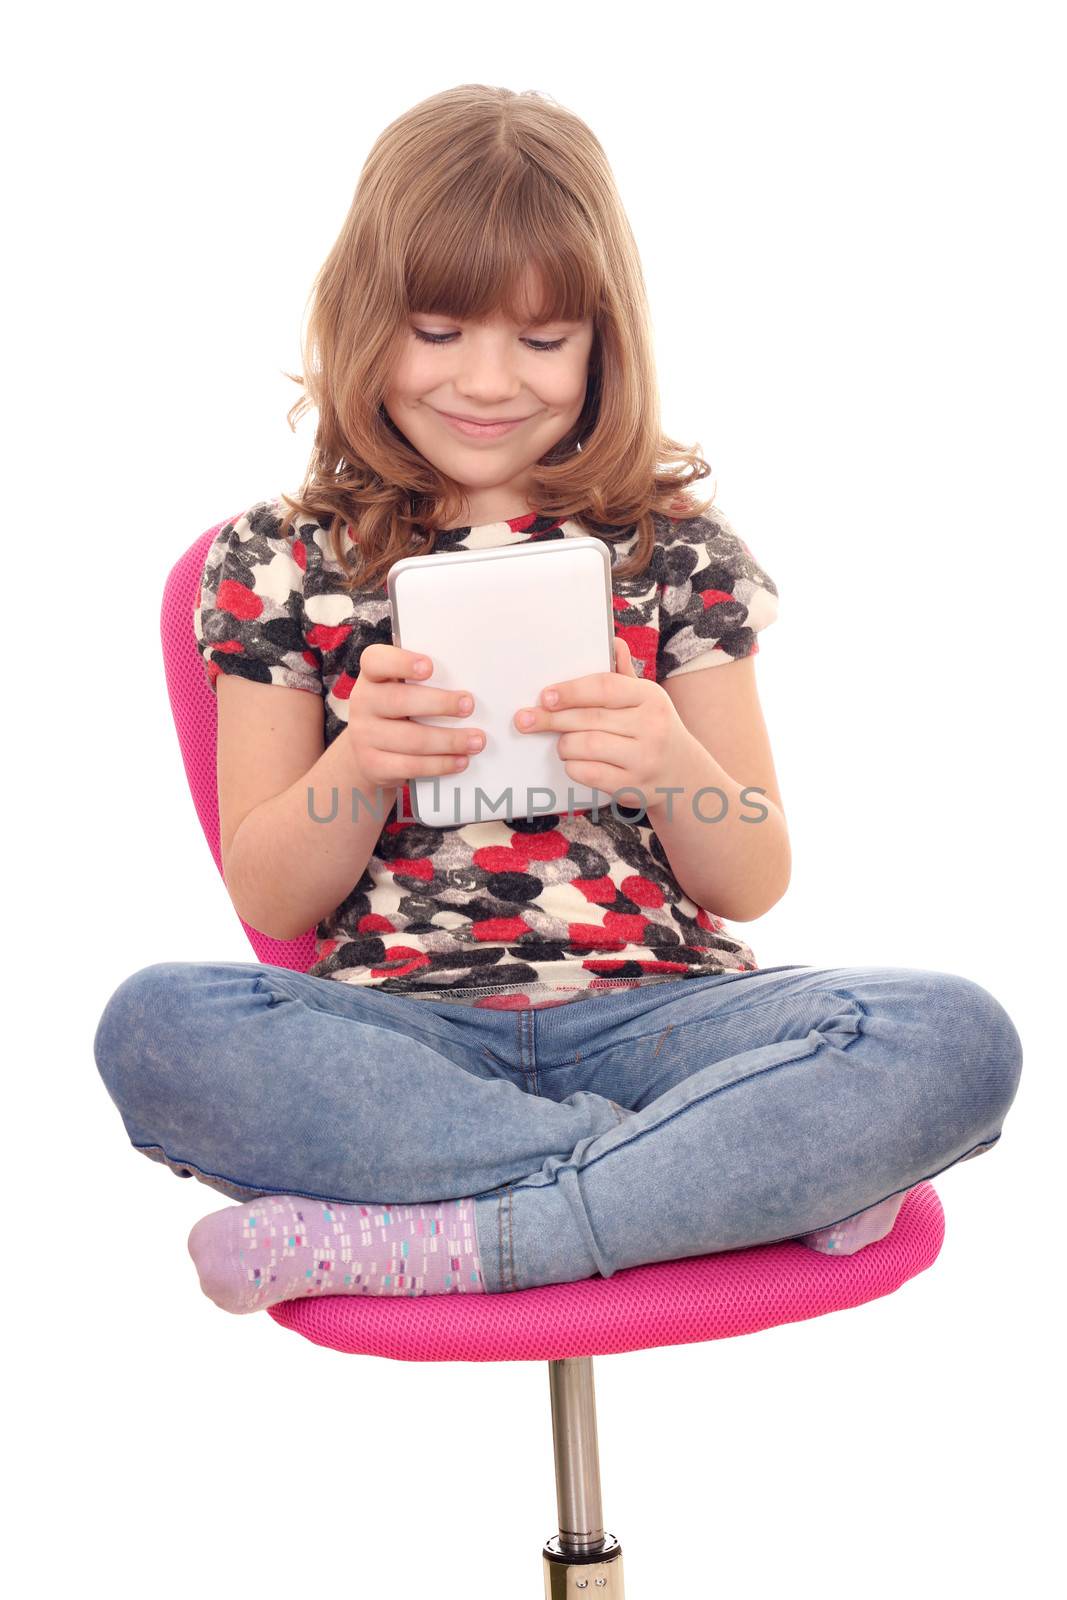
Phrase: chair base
(596, 1575)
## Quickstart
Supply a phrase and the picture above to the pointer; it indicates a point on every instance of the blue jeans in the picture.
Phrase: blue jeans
(647, 1124)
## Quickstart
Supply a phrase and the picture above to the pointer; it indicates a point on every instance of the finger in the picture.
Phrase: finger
(574, 721)
(614, 781)
(415, 700)
(609, 749)
(422, 766)
(401, 736)
(382, 661)
(612, 689)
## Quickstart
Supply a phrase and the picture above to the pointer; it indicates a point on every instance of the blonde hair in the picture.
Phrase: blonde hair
(457, 200)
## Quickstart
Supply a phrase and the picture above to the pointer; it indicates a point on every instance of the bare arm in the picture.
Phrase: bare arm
(739, 865)
(284, 870)
(290, 858)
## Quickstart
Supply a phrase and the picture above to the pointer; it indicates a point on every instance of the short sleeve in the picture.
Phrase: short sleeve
(714, 600)
(248, 617)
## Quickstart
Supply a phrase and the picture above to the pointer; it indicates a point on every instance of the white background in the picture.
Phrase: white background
(850, 221)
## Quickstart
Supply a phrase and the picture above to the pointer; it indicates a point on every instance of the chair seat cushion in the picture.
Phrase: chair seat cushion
(667, 1302)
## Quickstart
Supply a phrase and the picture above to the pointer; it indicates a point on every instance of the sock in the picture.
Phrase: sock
(845, 1238)
(281, 1247)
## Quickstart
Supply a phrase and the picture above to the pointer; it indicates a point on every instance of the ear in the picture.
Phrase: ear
(623, 659)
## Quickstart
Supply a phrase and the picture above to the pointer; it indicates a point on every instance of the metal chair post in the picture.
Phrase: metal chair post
(581, 1559)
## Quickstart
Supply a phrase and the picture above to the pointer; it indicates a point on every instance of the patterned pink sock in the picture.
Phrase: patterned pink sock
(845, 1238)
(280, 1247)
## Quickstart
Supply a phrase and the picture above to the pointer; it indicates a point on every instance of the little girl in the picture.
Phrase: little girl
(527, 1052)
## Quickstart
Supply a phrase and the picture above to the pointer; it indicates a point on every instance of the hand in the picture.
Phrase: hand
(390, 748)
(617, 731)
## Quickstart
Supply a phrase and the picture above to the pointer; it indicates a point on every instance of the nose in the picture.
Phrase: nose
(487, 371)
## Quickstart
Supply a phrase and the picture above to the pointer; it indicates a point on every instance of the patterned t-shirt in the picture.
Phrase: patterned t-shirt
(541, 910)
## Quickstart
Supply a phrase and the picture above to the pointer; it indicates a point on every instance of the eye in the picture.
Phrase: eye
(446, 338)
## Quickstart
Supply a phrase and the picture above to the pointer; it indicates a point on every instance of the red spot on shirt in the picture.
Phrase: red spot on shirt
(600, 891)
(503, 929)
(239, 600)
(642, 644)
(539, 846)
(421, 868)
(606, 968)
(498, 858)
(327, 638)
(626, 925)
(343, 685)
(588, 933)
(300, 554)
(400, 960)
(405, 817)
(400, 823)
(642, 890)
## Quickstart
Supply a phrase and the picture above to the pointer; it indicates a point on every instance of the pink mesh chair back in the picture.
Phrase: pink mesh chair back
(671, 1302)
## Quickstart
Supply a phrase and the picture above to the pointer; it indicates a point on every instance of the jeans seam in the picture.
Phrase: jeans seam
(261, 986)
(926, 1178)
(237, 1183)
(511, 1240)
(527, 1065)
(838, 994)
(502, 1263)
(775, 1066)
(279, 992)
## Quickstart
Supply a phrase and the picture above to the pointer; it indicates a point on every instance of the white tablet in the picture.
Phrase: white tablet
(504, 623)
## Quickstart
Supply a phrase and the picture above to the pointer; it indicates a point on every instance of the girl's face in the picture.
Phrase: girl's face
(493, 371)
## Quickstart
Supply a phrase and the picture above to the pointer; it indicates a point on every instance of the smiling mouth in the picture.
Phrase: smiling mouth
(486, 428)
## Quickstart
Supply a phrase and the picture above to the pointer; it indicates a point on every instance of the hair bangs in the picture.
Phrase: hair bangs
(516, 253)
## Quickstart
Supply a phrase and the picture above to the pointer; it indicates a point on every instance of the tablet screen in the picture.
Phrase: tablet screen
(504, 623)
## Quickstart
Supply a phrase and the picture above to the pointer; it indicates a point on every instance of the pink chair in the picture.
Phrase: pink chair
(674, 1302)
